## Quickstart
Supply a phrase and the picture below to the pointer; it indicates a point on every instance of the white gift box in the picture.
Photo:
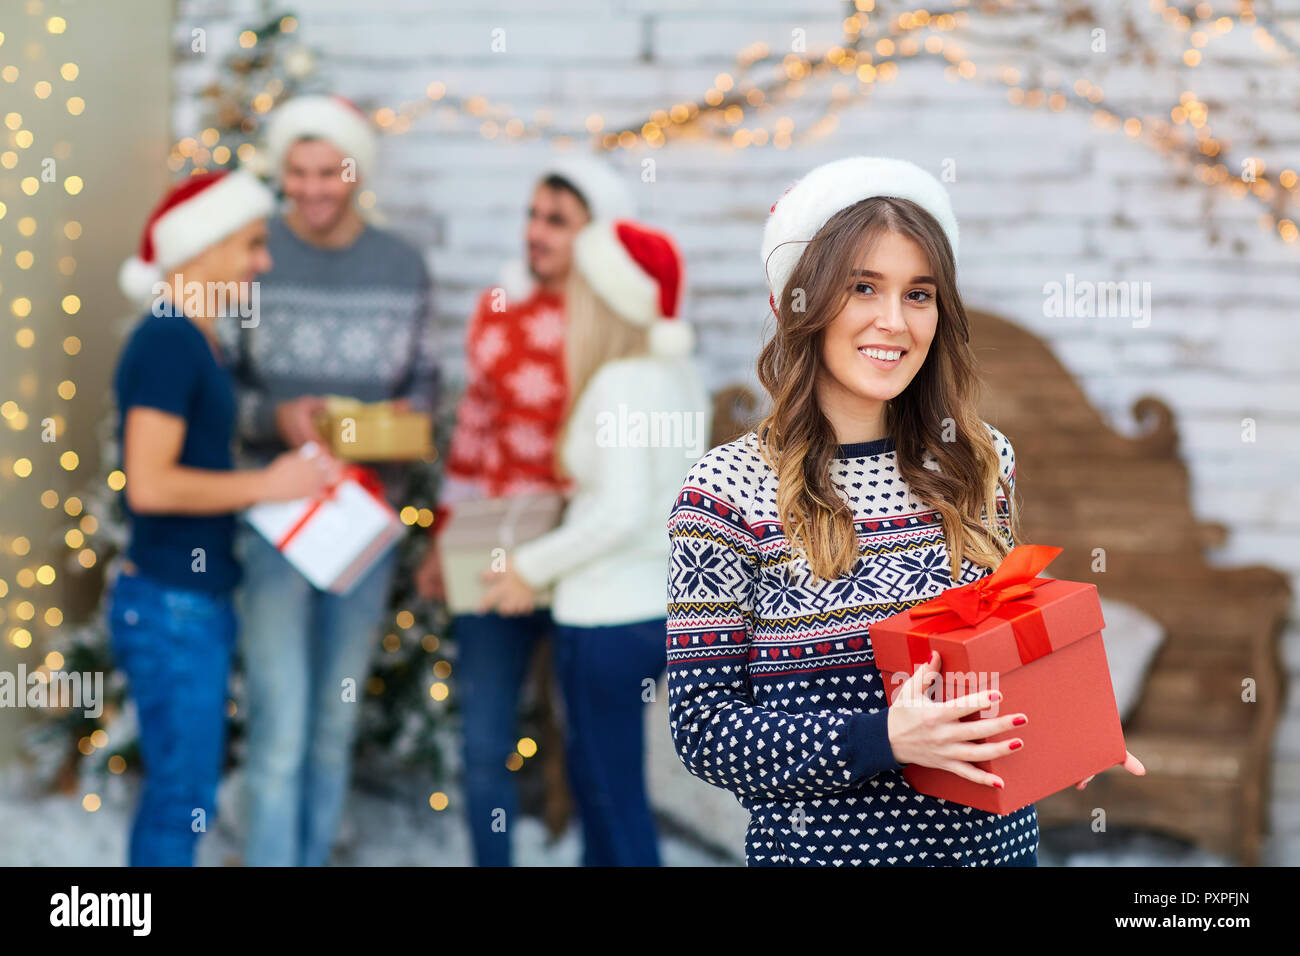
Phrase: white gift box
(333, 540)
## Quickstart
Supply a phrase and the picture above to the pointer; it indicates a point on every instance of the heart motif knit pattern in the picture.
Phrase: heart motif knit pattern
(772, 686)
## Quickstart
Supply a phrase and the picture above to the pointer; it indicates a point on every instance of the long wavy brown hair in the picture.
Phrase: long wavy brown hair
(936, 412)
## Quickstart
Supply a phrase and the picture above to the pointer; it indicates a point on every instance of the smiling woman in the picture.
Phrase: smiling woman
(878, 274)
(871, 486)
(888, 319)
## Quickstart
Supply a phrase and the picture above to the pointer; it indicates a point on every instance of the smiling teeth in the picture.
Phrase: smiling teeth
(881, 354)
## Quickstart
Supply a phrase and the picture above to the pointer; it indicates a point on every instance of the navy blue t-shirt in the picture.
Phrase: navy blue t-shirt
(168, 364)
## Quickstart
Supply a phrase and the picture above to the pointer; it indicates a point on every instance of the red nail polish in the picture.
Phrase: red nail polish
(998, 784)
(995, 696)
(1016, 744)
(1020, 720)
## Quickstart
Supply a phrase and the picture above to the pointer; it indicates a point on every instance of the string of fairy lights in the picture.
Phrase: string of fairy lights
(32, 583)
(728, 102)
(20, 140)
(871, 55)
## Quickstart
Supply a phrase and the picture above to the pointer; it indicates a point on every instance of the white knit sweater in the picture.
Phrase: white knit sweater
(636, 430)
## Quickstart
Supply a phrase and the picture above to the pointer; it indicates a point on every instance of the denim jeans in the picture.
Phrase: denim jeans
(306, 655)
(492, 656)
(175, 647)
(605, 673)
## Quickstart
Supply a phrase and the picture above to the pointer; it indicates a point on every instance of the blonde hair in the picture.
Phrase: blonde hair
(595, 334)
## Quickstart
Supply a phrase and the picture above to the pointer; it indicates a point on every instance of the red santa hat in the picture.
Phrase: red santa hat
(195, 213)
(806, 206)
(637, 272)
(333, 118)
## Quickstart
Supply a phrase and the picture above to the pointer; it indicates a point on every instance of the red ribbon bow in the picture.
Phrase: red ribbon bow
(965, 606)
(367, 478)
(1016, 577)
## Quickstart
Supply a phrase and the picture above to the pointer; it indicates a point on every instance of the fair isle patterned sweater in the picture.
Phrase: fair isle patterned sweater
(773, 693)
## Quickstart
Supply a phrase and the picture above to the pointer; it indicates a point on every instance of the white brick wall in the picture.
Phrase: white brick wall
(1038, 194)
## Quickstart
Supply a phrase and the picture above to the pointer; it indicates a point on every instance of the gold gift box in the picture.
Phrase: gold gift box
(374, 431)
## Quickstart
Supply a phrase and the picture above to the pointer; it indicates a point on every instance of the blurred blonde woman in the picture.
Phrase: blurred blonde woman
(638, 418)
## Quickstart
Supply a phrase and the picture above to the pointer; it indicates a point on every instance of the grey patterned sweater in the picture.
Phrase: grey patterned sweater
(353, 321)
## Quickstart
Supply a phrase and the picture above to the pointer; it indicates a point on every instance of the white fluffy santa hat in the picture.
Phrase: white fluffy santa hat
(637, 272)
(604, 192)
(195, 213)
(332, 118)
(806, 206)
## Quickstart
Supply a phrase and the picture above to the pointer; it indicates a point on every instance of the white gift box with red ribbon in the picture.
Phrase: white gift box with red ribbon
(335, 539)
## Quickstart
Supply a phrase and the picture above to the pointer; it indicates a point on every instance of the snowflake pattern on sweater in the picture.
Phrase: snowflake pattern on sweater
(509, 419)
(773, 692)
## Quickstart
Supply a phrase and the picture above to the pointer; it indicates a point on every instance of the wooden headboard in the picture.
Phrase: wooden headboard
(1082, 487)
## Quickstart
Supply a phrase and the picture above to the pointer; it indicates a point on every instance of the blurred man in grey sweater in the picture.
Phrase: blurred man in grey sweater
(344, 311)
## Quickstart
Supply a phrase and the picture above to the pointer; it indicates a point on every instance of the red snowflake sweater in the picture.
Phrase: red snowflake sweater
(510, 417)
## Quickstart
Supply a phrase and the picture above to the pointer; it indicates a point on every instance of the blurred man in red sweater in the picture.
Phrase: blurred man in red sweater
(503, 445)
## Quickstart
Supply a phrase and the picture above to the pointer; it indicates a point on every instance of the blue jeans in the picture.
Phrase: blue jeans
(306, 656)
(492, 655)
(175, 647)
(605, 673)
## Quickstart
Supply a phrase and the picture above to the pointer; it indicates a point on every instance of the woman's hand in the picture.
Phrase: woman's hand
(507, 592)
(1131, 764)
(931, 733)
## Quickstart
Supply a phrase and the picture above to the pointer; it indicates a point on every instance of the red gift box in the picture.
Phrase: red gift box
(1038, 641)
